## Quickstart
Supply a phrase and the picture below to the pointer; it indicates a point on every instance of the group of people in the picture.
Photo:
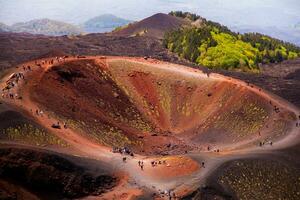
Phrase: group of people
(58, 126)
(26, 68)
(51, 61)
(10, 95)
(276, 109)
(264, 143)
(141, 164)
(155, 163)
(39, 112)
(170, 194)
(123, 151)
(12, 81)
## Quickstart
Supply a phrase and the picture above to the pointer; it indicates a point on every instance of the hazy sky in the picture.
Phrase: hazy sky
(228, 12)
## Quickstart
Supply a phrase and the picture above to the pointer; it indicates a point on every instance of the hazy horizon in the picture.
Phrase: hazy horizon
(229, 12)
(277, 17)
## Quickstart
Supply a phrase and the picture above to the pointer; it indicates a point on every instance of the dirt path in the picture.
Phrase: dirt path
(153, 178)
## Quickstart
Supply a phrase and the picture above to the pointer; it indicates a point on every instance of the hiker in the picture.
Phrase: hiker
(139, 163)
(203, 164)
(142, 165)
(207, 74)
(260, 144)
(124, 159)
(208, 148)
(21, 75)
(271, 143)
(57, 126)
(174, 195)
(152, 163)
(115, 150)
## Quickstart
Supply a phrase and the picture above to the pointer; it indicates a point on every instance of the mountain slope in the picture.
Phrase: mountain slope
(46, 27)
(215, 46)
(103, 23)
(154, 26)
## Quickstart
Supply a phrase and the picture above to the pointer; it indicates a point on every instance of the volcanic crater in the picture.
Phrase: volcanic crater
(156, 108)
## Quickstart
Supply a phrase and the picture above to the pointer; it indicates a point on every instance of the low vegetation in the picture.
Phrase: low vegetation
(29, 134)
(215, 46)
(261, 179)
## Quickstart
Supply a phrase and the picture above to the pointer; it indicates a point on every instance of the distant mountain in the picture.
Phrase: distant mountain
(154, 26)
(4, 28)
(104, 23)
(46, 27)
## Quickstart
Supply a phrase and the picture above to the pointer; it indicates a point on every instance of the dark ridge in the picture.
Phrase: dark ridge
(43, 173)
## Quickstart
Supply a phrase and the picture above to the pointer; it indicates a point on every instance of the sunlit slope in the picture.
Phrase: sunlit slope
(203, 108)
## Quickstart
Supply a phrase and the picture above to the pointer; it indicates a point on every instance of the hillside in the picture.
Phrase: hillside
(46, 27)
(215, 46)
(155, 26)
(104, 23)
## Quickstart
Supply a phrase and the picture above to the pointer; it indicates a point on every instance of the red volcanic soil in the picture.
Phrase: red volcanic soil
(157, 108)
(154, 26)
(152, 107)
(170, 167)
